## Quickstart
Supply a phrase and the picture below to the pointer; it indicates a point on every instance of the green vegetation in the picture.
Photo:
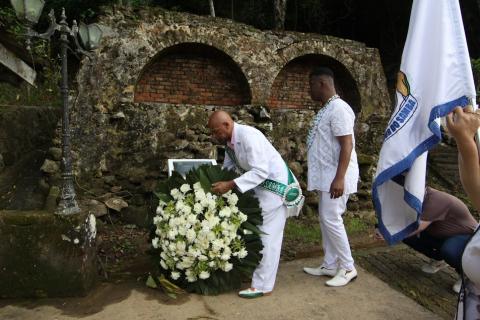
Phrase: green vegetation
(306, 230)
(297, 230)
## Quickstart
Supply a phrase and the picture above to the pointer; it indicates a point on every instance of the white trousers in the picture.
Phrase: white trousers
(334, 237)
(273, 224)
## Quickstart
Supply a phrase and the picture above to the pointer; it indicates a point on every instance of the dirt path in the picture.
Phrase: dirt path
(297, 296)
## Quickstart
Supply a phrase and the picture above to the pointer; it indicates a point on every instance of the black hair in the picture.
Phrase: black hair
(321, 71)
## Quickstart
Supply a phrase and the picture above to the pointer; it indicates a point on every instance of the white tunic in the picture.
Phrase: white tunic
(338, 120)
(256, 155)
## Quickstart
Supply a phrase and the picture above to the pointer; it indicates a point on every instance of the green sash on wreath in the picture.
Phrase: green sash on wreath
(291, 193)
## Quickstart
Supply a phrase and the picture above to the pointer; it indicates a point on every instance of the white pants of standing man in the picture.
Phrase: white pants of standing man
(336, 248)
(273, 224)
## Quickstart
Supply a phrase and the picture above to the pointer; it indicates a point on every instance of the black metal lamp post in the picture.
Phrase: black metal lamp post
(29, 11)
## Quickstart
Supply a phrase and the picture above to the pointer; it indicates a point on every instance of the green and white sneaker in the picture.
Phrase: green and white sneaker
(252, 293)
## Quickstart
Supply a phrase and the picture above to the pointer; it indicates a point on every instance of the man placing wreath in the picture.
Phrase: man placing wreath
(262, 169)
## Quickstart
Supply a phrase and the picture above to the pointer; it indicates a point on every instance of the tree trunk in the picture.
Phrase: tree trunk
(279, 10)
(212, 8)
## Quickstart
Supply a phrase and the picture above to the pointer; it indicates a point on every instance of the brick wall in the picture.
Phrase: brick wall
(291, 88)
(193, 75)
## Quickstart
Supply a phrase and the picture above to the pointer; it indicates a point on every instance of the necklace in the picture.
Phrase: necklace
(316, 120)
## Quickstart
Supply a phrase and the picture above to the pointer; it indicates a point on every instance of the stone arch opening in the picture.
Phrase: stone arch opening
(291, 88)
(194, 74)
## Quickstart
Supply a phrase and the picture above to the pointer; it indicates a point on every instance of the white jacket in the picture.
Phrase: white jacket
(256, 155)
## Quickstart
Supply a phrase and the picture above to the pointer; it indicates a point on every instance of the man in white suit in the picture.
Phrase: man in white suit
(249, 151)
(333, 174)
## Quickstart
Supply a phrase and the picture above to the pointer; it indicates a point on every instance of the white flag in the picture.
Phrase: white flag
(435, 76)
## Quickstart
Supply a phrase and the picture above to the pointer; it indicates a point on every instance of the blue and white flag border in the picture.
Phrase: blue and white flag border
(406, 163)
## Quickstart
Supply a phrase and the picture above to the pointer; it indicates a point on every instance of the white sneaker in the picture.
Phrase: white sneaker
(320, 271)
(457, 285)
(342, 278)
(434, 266)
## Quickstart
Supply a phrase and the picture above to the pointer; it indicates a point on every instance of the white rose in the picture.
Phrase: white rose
(225, 212)
(191, 235)
(205, 226)
(179, 205)
(204, 275)
(217, 245)
(204, 202)
(191, 278)
(213, 221)
(163, 264)
(246, 231)
(242, 216)
(211, 236)
(175, 275)
(200, 195)
(225, 257)
(157, 220)
(211, 204)
(197, 208)
(242, 253)
(232, 199)
(187, 209)
(228, 266)
(182, 230)
(175, 193)
(155, 243)
(181, 246)
(159, 210)
(191, 218)
(185, 188)
(172, 234)
(197, 186)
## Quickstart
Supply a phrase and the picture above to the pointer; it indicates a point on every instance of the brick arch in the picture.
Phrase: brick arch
(290, 89)
(193, 73)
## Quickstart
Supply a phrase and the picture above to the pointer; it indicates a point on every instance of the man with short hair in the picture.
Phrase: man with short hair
(249, 151)
(333, 174)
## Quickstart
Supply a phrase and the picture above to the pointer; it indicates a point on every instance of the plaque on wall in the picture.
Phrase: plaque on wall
(182, 166)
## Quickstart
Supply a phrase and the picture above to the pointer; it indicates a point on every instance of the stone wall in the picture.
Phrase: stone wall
(121, 143)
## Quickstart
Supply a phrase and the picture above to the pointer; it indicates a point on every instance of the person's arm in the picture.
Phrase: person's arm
(422, 225)
(338, 184)
(463, 126)
(222, 187)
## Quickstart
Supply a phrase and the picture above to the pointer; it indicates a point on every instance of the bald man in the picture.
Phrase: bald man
(250, 153)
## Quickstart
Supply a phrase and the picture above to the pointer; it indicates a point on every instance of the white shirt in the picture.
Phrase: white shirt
(256, 155)
(338, 120)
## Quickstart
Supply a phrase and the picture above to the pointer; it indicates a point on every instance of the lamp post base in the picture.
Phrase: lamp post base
(67, 207)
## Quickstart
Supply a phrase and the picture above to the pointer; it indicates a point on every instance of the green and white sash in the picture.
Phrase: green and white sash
(291, 194)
